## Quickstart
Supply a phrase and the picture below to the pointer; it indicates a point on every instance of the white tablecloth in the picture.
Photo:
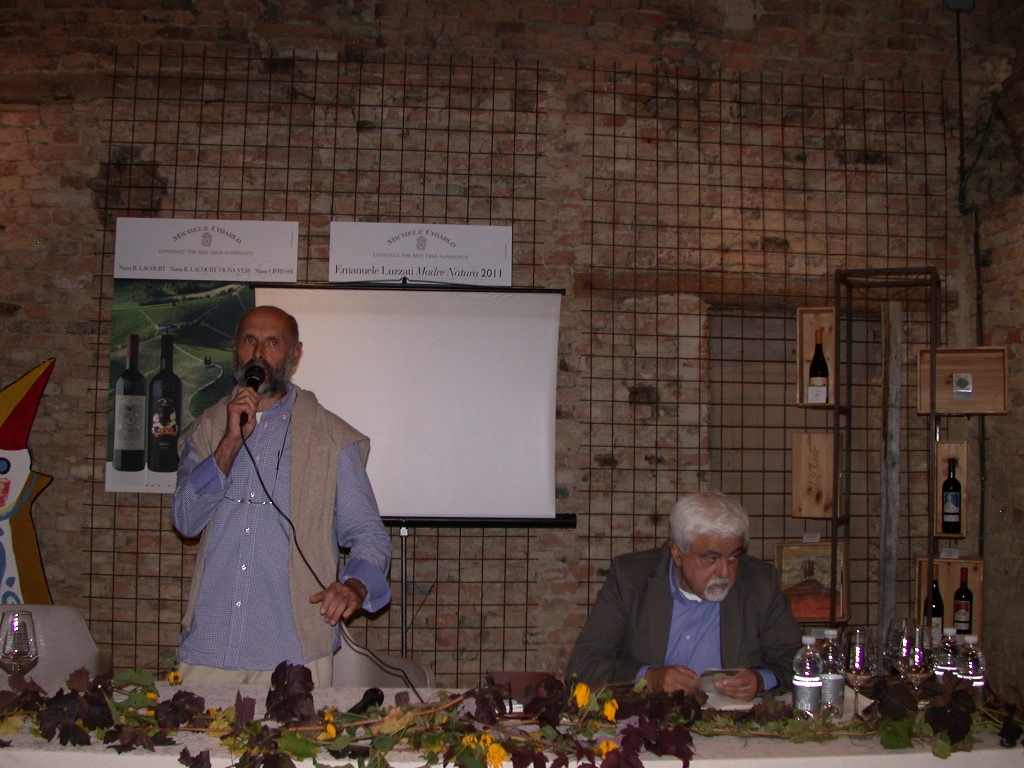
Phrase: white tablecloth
(721, 752)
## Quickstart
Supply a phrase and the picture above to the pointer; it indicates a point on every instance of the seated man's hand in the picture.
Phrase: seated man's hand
(744, 686)
(339, 601)
(672, 679)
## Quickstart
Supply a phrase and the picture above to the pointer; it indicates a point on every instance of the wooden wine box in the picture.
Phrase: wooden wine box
(944, 451)
(809, 320)
(967, 380)
(949, 583)
(813, 475)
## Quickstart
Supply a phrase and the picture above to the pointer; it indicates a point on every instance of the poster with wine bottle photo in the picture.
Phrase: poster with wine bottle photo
(170, 358)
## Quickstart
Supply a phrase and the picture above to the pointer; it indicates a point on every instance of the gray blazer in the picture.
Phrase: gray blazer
(629, 624)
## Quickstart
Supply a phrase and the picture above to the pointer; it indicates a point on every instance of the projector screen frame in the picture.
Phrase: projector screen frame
(568, 521)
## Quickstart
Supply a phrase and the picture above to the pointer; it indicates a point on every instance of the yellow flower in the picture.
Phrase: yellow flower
(581, 693)
(213, 712)
(151, 712)
(469, 740)
(331, 731)
(496, 755)
(174, 677)
(329, 716)
(605, 747)
(486, 740)
(151, 695)
(610, 708)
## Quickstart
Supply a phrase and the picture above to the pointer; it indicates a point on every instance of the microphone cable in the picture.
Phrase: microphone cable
(359, 649)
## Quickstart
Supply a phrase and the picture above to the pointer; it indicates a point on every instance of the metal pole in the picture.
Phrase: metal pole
(403, 537)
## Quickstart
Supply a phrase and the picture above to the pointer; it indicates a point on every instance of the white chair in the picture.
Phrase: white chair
(63, 642)
(356, 667)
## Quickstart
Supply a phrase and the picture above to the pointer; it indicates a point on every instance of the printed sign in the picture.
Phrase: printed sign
(206, 249)
(450, 254)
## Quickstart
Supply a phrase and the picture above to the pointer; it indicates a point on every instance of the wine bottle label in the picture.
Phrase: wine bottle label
(129, 422)
(165, 420)
(951, 507)
(817, 393)
(962, 614)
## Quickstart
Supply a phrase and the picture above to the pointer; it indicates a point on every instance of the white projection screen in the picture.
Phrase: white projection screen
(456, 390)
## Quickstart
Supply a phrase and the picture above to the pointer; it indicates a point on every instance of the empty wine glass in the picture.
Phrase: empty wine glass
(917, 654)
(861, 663)
(17, 641)
(895, 644)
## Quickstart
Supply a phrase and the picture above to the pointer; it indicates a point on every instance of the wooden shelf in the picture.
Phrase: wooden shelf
(949, 583)
(809, 320)
(944, 451)
(983, 368)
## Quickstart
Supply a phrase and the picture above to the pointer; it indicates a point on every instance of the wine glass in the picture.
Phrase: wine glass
(861, 663)
(17, 641)
(917, 654)
(895, 644)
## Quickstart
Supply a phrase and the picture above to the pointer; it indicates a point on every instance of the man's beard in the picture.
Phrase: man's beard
(716, 590)
(276, 376)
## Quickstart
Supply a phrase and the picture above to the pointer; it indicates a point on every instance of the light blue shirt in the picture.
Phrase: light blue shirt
(694, 636)
(243, 616)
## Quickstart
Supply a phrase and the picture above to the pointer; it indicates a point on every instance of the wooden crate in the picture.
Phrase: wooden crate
(813, 475)
(949, 582)
(944, 451)
(987, 368)
(808, 320)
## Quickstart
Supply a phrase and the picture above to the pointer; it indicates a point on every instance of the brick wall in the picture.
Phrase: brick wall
(53, 110)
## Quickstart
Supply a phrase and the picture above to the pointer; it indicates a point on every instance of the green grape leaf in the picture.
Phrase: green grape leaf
(941, 746)
(296, 746)
(895, 734)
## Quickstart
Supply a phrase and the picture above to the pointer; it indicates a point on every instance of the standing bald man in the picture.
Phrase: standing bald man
(255, 600)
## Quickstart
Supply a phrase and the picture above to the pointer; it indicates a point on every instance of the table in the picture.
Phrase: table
(719, 752)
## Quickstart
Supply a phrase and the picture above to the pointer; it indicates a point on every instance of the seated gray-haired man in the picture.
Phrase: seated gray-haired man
(696, 603)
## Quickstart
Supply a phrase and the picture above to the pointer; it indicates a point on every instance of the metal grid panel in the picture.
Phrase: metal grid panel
(228, 134)
(720, 204)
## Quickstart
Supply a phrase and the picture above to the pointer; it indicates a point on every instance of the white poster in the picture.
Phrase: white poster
(206, 249)
(452, 254)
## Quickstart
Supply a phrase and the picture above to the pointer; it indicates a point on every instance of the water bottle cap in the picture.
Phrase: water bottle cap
(808, 639)
(831, 634)
(971, 639)
(949, 631)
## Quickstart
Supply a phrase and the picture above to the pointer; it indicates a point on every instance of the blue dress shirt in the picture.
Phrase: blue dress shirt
(694, 637)
(243, 614)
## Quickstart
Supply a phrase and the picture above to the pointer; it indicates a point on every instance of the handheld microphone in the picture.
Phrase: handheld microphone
(254, 377)
(373, 697)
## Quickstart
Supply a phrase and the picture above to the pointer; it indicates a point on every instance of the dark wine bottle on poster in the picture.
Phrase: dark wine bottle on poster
(164, 412)
(130, 413)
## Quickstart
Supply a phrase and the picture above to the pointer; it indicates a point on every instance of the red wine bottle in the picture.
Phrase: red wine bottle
(817, 376)
(952, 518)
(130, 413)
(963, 606)
(164, 412)
(938, 607)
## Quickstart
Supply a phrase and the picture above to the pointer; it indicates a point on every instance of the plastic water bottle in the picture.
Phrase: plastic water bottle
(807, 680)
(970, 665)
(833, 675)
(945, 657)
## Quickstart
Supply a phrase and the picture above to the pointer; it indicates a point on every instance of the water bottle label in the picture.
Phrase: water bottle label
(807, 693)
(832, 689)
